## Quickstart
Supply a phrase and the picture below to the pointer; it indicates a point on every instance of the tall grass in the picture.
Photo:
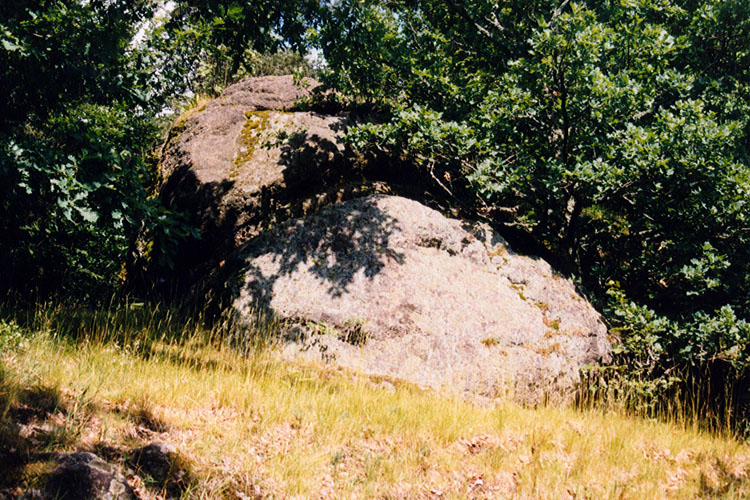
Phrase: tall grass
(248, 424)
(686, 399)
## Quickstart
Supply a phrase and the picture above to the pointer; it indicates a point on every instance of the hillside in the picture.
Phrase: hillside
(251, 426)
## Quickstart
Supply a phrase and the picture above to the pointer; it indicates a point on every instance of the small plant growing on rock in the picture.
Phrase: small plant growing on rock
(322, 328)
(490, 342)
(544, 306)
(355, 332)
(554, 323)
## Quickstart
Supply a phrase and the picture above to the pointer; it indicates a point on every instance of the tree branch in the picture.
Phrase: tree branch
(559, 10)
(458, 9)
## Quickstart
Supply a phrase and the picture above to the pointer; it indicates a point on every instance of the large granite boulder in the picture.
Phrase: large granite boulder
(290, 225)
(387, 286)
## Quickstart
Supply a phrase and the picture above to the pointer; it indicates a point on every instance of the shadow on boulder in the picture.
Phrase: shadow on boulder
(346, 243)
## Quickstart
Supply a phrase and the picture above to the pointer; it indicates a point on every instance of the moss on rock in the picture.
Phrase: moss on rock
(250, 137)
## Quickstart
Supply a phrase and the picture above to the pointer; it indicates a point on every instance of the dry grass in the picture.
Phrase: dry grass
(251, 426)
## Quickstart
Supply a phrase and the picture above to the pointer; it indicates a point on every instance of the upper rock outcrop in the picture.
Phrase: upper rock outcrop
(227, 167)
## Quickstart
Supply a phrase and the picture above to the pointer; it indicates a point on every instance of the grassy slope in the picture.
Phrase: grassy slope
(250, 425)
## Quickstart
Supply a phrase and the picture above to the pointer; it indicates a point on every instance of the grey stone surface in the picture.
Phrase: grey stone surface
(225, 166)
(84, 476)
(387, 286)
(162, 463)
(158, 460)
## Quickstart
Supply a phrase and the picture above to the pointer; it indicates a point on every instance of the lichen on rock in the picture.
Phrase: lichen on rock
(250, 137)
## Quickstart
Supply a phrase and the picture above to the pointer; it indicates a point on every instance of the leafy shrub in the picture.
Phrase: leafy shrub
(615, 134)
(11, 335)
(87, 86)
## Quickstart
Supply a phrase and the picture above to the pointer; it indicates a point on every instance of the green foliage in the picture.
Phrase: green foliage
(614, 133)
(276, 63)
(11, 335)
(213, 43)
(87, 85)
(71, 162)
